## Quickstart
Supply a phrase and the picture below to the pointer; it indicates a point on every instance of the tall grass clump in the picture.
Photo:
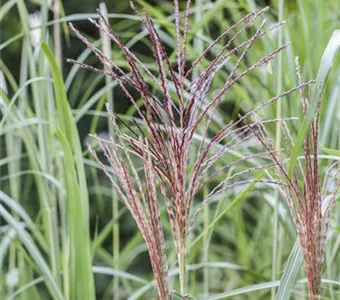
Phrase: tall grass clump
(309, 195)
(150, 157)
(46, 204)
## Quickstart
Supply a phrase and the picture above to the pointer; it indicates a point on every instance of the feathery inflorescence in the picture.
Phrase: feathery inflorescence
(151, 161)
(310, 198)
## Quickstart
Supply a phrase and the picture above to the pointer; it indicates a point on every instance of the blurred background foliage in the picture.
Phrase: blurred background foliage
(245, 242)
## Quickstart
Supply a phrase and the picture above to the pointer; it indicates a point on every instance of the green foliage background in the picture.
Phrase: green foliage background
(52, 192)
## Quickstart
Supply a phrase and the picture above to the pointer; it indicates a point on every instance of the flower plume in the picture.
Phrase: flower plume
(156, 145)
(310, 198)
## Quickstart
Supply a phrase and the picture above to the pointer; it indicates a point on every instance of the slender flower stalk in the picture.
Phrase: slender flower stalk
(310, 198)
(156, 146)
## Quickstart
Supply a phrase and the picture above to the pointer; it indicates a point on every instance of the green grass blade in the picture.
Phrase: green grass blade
(290, 274)
(24, 287)
(236, 201)
(244, 290)
(96, 270)
(64, 113)
(327, 60)
(82, 282)
(6, 7)
(11, 40)
(46, 176)
(117, 273)
(34, 252)
(6, 238)
(82, 285)
(329, 151)
(68, 126)
(19, 125)
(19, 210)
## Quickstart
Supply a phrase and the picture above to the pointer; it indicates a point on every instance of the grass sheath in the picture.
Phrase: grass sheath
(155, 148)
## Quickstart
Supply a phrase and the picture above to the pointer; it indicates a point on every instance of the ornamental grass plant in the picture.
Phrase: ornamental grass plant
(150, 161)
(178, 155)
